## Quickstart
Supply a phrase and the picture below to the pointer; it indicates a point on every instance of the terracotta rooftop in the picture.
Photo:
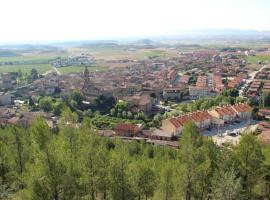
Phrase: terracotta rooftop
(242, 107)
(127, 127)
(193, 117)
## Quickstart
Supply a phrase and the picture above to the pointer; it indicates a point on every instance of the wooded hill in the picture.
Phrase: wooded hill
(75, 163)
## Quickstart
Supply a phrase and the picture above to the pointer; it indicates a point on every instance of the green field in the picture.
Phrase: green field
(41, 68)
(255, 59)
(65, 70)
(45, 58)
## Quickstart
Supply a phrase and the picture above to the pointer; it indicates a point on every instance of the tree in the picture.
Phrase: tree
(31, 102)
(129, 115)
(120, 181)
(124, 114)
(190, 142)
(113, 112)
(5, 192)
(197, 157)
(144, 180)
(249, 156)
(40, 133)
(33, 74)
(157, 119)
(46, 104)
(58, 106)
(265, 99)
(167, 182)
(77, 96)
(226, 186)
(231, 92)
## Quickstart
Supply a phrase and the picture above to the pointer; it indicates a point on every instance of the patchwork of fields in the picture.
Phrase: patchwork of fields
(41, 68)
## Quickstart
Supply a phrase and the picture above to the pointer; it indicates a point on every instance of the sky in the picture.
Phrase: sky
(61, 20)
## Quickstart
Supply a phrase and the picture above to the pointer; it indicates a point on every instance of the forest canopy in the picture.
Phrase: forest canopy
(76, 163)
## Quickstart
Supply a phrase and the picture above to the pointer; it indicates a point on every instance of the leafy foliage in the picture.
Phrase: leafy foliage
(75, 163)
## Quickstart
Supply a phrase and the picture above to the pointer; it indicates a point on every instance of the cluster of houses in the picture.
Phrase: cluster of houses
(261, 83)
(26, 119)
(73, 61)
(216, 117)
(142, 82)
(173, 127)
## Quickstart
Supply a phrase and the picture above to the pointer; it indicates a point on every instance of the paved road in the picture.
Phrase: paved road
(240, 127)
(54, 69)
(57, 71)
(252, 76)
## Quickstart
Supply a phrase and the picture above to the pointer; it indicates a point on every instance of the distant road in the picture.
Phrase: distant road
(252, 76)
(57, 71)
(50, 71)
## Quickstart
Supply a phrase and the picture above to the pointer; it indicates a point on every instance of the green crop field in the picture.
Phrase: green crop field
(41, 68)
(255, 59)
(70, 69)
(29, 58)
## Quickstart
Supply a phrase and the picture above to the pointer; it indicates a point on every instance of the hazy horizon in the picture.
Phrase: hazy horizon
(40, 21)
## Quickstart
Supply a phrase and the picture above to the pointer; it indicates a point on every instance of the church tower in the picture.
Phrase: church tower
(88, 87)
(86, 76)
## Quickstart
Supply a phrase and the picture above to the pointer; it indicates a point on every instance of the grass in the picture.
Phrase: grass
(41, 68)
(70, 69)
(115, 54)
(45, 58)
(155, 54)
(255, 59)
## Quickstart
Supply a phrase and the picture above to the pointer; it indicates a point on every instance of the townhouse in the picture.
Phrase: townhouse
(174, 126)
(225, 113)
(230, 113)
(208, 119)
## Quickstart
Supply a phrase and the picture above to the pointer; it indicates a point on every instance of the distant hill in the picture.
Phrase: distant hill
(7, 53)
(87, 43)
(145, 42)
(29, 47)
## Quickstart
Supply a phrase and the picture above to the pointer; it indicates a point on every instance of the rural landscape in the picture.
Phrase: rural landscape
(140, 103)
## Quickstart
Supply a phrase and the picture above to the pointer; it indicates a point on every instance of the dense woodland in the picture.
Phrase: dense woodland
(75, 163)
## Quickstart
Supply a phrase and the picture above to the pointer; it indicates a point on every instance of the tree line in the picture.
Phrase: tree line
(76, 163)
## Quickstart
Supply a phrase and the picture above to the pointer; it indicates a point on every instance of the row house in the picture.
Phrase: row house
(230, 113)
(207, 119)
(174, 126)
(218, 86)
(225, 113)
(172, 75)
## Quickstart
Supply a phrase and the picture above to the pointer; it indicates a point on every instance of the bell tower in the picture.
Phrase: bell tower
(86, 76)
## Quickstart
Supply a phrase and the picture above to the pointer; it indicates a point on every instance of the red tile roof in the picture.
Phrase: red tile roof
(235, 82)
(193, 117)
(242, 107)
(126, 127)
(201, 81)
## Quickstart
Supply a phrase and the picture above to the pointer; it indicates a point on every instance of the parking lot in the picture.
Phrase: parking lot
(231, 132)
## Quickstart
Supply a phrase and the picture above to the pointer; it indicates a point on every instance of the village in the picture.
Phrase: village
(152, 92)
